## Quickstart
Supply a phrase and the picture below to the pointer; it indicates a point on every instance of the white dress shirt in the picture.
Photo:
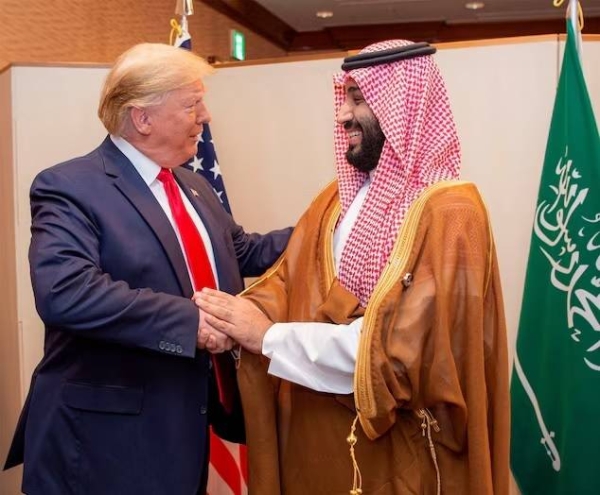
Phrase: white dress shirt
(320, 356)
(149, 171)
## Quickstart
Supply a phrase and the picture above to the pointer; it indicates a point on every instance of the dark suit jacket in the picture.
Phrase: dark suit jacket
(118, 404)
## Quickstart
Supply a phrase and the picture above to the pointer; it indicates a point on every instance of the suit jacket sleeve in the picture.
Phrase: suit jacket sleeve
(257, 252)
(74, 293)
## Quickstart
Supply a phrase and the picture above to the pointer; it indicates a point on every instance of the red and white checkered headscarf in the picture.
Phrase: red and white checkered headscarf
(421, 147)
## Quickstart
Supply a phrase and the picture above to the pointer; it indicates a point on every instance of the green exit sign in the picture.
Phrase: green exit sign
(238, 45)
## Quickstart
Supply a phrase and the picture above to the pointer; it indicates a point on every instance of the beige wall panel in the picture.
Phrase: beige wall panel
(273, 131)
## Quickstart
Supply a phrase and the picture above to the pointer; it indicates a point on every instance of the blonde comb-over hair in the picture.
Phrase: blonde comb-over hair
(142, 76)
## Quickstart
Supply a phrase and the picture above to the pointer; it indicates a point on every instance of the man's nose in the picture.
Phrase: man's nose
(344, 114)
(203, 115)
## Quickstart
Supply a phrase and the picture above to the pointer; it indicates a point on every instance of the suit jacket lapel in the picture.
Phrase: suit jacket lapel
(131, 184)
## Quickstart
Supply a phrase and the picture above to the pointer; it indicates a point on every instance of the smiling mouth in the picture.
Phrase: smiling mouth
(354, 138)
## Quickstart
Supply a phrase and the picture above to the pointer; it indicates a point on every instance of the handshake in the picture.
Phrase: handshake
(226, 320)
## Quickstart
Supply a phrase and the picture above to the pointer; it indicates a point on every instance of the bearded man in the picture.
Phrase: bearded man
(377, 355)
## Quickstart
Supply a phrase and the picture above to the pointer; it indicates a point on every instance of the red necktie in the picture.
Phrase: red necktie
(200, 268)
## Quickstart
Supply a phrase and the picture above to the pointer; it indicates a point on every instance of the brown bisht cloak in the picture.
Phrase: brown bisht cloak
(431, 379)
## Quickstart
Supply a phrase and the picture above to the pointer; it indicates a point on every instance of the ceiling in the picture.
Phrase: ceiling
(294, 26)
(301, 14)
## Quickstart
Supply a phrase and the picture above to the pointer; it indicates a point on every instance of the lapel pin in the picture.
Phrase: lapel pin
(194, 192)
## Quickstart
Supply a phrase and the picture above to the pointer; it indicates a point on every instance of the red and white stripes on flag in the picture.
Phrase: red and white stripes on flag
(228, 473)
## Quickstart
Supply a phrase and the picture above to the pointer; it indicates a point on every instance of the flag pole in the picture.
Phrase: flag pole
(184, 8)
(180, 36)
(572, 12)
(575, 16)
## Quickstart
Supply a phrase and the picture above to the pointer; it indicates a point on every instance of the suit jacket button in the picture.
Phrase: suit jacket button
(179, 349)
(161, 345)
(203, 409)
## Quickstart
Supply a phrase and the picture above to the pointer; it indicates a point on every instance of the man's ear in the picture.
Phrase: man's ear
(140, 119)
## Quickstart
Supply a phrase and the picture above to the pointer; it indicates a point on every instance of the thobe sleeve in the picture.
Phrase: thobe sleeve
(320, 356)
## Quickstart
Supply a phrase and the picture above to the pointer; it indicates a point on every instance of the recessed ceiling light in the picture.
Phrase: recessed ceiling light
(474, 5)
(324, 14)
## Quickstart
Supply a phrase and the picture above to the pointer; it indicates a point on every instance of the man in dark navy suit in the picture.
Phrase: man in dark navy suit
(122, 400)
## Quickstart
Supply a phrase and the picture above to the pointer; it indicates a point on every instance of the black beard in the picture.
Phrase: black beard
(367, 156)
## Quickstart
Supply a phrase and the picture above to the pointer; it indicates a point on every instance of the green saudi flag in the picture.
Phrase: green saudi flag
(555, 387)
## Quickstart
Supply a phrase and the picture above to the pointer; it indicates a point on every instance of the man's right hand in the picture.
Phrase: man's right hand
(211, 339)
(235, 316)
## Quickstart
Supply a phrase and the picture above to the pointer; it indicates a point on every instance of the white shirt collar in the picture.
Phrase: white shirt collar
(145, 166)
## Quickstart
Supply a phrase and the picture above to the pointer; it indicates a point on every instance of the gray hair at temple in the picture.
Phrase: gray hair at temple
(142, 77)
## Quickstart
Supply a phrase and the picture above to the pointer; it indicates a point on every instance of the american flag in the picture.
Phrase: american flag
(228, 461)
(205, 163)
